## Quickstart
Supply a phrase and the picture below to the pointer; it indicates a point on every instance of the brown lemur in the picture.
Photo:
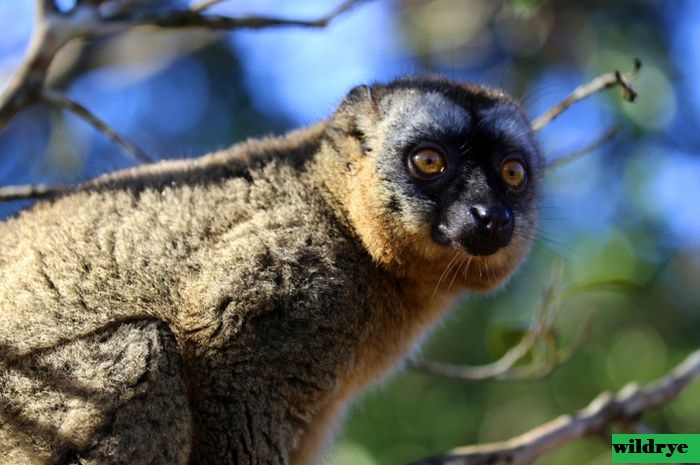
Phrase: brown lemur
(227, 309)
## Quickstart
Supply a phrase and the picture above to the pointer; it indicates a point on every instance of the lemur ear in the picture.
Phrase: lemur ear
(359, 94)
(362, 95)
(356, 115)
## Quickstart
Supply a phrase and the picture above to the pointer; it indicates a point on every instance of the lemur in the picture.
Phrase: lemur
(227, 309)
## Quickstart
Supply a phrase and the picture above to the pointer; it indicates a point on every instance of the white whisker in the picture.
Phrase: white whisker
(455, 275)
(444, 274)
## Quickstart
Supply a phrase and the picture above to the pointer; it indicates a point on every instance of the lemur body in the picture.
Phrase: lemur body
(227, 309)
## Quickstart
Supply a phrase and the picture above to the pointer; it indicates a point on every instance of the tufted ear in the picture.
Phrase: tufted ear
(356, 115)
(359, 94)
(362, 96)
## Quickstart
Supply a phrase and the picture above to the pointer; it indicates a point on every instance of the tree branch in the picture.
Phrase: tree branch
(54, 29)
(26, 84)
(32, 191)
(604, 81)
(599, 141)
(195, 18)
(604, 411)
(62, 101)
(204, 5)
(503, 368)
(541, 332)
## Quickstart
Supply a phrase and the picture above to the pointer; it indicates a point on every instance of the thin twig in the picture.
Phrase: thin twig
(32, 191)
(554, 357)
(603, 412)
(204, 5)
(26, 84)
(196, 19)
(599, 141)
(499, 369)
(602, 82)
(60, 100)
(54, 29)
(540, 331)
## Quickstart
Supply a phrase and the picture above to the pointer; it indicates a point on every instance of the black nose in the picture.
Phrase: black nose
(491, 228)
(479, 229)
(493, 221)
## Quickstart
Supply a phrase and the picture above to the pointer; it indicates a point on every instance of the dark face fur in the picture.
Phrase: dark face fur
(456, 170)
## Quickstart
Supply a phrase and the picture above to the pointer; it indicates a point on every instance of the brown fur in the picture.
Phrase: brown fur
(219, 310)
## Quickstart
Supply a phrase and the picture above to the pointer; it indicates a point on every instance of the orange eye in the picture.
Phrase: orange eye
(427, 163)
(514, 175)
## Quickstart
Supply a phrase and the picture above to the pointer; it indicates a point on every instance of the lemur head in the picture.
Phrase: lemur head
(442, 179)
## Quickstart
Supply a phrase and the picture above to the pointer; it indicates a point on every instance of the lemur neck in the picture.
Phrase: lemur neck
(398, 326)
(330, 172)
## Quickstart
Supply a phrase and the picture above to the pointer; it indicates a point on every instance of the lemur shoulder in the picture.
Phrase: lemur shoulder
(227, 309)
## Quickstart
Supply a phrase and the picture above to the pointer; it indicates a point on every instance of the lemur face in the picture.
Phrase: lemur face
(457, 170)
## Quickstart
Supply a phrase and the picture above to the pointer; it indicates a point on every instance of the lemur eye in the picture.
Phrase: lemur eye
(427, 163)
(514, 175)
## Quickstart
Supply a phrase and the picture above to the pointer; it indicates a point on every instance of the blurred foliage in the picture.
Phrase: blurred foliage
(625, 219)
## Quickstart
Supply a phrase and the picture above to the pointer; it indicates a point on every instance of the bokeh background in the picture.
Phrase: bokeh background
(624, 220)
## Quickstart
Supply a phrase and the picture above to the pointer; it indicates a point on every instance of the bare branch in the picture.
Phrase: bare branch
(55, 29)
(204, 5)
(194, 18)
(603, 412)
(541, 332)
(32, 191)
(496, 370)
(25, 86)
(62, 101)
(599, 141)
(604, 81)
